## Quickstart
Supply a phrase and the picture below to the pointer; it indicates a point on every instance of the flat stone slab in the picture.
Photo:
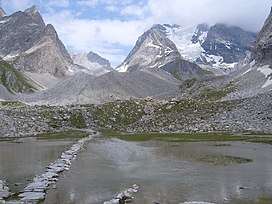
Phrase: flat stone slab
(36, 190)
(31, 196)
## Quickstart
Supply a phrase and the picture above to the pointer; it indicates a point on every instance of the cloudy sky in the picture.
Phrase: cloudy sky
(111, 27)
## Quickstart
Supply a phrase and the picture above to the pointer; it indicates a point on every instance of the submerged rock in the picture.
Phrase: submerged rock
(124, 196)
(4, 191)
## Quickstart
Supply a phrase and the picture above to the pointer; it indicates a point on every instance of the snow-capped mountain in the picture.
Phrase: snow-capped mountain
(91, 63)
(154, 50)
(219, 48)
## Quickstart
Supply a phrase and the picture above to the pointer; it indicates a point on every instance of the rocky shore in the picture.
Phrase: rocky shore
(4, 191)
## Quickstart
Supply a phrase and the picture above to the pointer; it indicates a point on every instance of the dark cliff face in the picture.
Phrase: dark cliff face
(262, 52)
(30, 45)
(231, 43)
(17, 32)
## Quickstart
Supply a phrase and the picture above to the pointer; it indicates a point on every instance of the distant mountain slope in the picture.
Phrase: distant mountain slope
(153, 50)
(13, 80)
(33, 47)
(85, 88)
(91, 63)
(221, 47)
(253, 79)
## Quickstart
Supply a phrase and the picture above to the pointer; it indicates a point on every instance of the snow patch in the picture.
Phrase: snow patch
(247, 71)
(267, 83)
(151, 44)
(192, 51)
(182, 37)
(267, 72)
(10, 56)
(35, 48)
(122, 68)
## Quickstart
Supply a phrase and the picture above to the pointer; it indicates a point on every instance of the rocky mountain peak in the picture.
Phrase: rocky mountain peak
(262, 52)
(2, 12)
(93, 57)
(152, 50)
(91, 63)
(34, 13)
(155, 51)
(50, 31)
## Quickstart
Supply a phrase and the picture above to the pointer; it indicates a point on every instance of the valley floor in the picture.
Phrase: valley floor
(140, 116)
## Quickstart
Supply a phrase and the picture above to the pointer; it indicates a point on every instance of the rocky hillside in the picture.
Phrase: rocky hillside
(262, 53)
(91, 63)
(84, 88)
(13, 80)
(145, 115)
(153, 50)
(33, 47)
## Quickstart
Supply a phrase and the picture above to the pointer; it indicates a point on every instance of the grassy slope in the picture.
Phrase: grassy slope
(19, 83)
(185, 137)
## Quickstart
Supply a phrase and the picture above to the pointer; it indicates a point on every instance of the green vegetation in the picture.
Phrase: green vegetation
(108, 133)
(185, 137)
(214, 95)
(13, 80)
(71, 134)
(223, 160)
(203, 72)
(177, 137)
(221, 145)
(12, 103)
(258, 133)
(264, 200)
(120, 113)
(187, 84)
(176, 74)
(77, 120)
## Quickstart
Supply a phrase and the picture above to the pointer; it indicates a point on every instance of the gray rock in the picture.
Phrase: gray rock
(153, 50)
(262, 52)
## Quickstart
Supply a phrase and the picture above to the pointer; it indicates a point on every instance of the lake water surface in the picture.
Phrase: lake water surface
(165, 172)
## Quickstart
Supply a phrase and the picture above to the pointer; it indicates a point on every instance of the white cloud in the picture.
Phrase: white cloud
(15, 5)
(57, 3)
(248, 14)
(136, 11)
(101, 36)
(90, 3)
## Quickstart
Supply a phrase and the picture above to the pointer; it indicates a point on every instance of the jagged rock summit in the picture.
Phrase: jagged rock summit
(91, 63)
(34, 48)
(153, 50)
(262, 53)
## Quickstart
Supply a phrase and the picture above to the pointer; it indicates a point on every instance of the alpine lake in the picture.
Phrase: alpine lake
(167, 168)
